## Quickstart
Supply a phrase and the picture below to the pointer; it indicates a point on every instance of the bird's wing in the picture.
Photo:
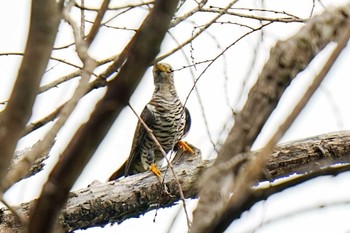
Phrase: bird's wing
(188, 122)
(140, 134)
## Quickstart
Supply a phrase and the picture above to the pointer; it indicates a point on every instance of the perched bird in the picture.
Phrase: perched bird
(169, 121)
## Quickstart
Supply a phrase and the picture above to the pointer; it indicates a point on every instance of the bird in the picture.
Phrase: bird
(168, 120)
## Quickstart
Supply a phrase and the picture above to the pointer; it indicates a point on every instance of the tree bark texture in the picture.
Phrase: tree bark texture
(116, 201)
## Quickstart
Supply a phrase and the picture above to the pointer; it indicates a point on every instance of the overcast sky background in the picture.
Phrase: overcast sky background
(218, 88)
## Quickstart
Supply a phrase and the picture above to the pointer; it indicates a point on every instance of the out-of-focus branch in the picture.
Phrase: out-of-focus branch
(42, 33)
(254, 169)
(287, 59)
(97, 23)
(188, 14)
(141, 51)
(41, 148)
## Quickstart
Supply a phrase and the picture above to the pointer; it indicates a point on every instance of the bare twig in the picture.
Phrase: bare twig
(51, 58)
(221, 13)
(118, 7)
(289, 19)
(97, 23)
(299, 213)
(82, 20)
(185, 16)
(150, 133)
(265, 11)
(72, 75)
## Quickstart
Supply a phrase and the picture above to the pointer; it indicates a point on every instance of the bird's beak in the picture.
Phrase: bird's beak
(162, 68)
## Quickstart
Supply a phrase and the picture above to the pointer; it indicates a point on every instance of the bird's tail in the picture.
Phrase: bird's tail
(118, 173)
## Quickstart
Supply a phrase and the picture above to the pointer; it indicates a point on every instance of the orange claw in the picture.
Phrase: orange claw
(185, 147)
(154, 169)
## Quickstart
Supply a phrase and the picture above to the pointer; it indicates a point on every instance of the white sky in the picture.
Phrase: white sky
(327, 112)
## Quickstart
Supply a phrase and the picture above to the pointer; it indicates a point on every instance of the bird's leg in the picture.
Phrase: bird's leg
(153, 168)
(184, 146)
(151, 158)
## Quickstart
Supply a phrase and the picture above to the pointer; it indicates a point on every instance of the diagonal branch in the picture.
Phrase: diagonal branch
(97, 23)
(42, 33)
(41, 148)
(141, 51)
(247, 177)
(287, 59)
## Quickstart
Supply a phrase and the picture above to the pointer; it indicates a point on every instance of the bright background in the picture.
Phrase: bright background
(219, 89)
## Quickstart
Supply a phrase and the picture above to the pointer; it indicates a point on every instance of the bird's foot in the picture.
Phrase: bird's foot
(185, 147)
(153, 168)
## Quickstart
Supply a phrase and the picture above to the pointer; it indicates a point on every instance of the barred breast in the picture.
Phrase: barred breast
(168, 127)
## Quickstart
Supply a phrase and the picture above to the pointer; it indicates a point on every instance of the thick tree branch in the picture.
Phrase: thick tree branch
(287, 59)
(116, 201)
(260, 194)
(254, 169)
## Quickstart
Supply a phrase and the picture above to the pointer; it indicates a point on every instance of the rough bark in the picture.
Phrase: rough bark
(113, 202)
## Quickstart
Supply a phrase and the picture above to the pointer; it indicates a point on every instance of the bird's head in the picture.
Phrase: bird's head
(163, 73)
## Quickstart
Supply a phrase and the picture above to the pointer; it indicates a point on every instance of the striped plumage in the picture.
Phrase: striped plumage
(165, 116)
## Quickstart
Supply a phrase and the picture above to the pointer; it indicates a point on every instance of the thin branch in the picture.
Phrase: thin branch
(220, 54)
(265, 10)
(82, 20)
(185, 16)
(51, 58)
(97, 23)
(197, 93)
(98, 83)
(260, 194)
(169, 163)
(116, 8)
(81, 46)
(300, 213)
(293, 19)
(72, 75)
(204, 28)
